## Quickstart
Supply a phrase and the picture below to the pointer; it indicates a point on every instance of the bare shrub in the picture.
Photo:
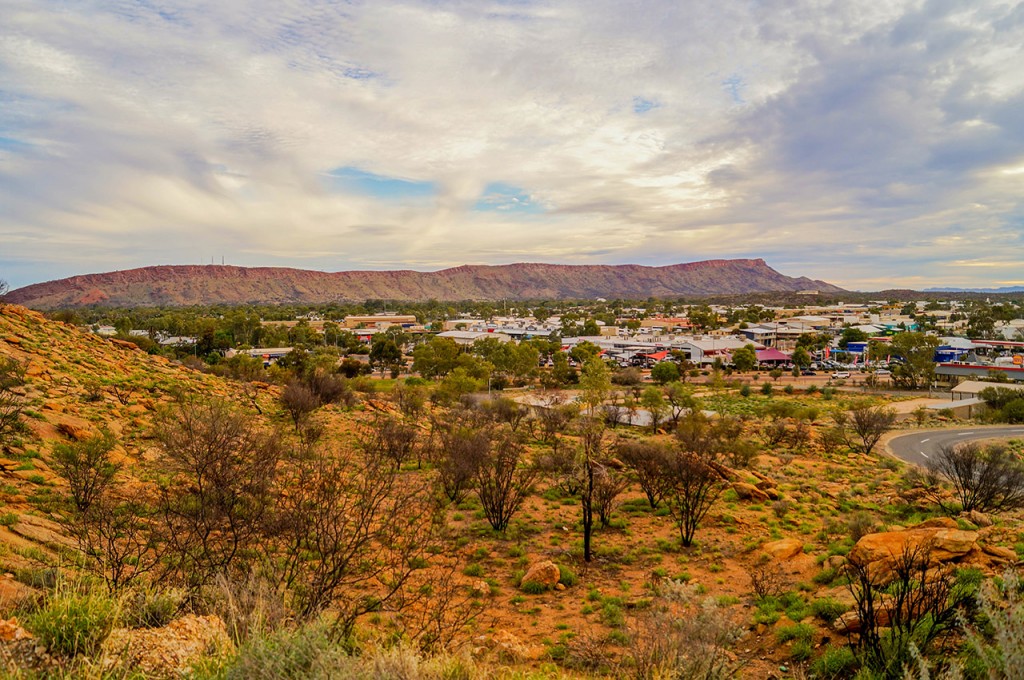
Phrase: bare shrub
(767, 579)
(564, 467)
(503, 481)
(649, 462)
(117, 537)
(12, 375)
(913, 602)
(608, 485)
(299, 401)
(348, 534)
(987, 479)
(87, 467)
(681, 636)
(220, 469)
(693, 486)
(391, 439)
(458, 451)
(774, 432)
(868, 424)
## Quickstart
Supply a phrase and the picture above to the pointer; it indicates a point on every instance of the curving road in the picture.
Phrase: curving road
(918, 447)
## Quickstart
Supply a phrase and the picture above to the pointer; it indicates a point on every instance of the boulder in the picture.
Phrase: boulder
(545, 573)
(169, 652)
(747, 491)
(1001, 554)
(937, 523)
(978, 519)
(785, 549)
(880, 551)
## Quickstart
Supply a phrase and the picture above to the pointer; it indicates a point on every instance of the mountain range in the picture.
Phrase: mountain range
(179, 285)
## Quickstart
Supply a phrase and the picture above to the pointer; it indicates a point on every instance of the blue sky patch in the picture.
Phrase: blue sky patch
(506, 198)
(734, 86)
(641, 105)
(354, 180)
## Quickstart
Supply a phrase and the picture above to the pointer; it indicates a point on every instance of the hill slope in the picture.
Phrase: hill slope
(192, 285)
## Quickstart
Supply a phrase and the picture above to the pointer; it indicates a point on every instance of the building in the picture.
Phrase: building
(381, 321)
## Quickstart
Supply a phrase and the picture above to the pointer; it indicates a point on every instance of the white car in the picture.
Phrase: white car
(841, 375)
(883, 371)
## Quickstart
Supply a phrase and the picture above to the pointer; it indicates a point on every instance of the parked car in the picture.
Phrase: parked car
(883, 371)
(808, 371)
(841, 375)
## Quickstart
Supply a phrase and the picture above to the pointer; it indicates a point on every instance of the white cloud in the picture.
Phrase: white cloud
(870, 145)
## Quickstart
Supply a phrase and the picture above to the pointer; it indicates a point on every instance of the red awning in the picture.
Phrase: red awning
(771, 354)
(657, 356)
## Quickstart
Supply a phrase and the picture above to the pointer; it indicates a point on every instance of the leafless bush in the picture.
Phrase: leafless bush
(299, 401)
(649, 462)
(608, 484)
(347, 534)
(12, 375)
(87, 468)
(767, 579)
(118, 538)
(219, 468)
(774, 432)
(912, 602)
(564, 466)
(869, 423)
(503, 481)
(693, 486)
(987, 479)
(459, 450)
(682, 637)
(391, 439)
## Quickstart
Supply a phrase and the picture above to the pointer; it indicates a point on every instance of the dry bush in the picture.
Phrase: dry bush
(911, 603)
(347, 534)
(564, 467)
(649, 462)
(12, 375)
(504, 480)
(219, 469)
(459, 448)
(391, 439)
(767, 579)
(693, 486)
(987, 479)
(608, 485)
(681, 636)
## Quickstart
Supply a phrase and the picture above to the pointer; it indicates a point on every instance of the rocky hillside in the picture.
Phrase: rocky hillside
(194, 285)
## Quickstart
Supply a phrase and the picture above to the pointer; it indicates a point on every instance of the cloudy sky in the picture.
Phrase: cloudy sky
(873, 143)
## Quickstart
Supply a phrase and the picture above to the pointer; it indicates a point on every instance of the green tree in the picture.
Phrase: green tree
(801, 357)
(665, 372)
(595, 383)
(744, 358)
(435, 358)
(385, 354)
(703, 317)
(918, 353)
(851, 335)
(653, 401)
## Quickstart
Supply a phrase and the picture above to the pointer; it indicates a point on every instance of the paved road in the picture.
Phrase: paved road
(918, 447)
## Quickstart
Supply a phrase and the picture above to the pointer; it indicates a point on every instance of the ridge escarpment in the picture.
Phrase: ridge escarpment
(226, 284)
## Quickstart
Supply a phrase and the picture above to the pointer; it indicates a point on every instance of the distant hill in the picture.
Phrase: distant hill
(213, 284)
(994, 291)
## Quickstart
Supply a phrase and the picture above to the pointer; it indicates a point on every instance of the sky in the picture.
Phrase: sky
(870, 143)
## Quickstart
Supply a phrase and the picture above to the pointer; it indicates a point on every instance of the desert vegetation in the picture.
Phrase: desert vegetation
(302, 522)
